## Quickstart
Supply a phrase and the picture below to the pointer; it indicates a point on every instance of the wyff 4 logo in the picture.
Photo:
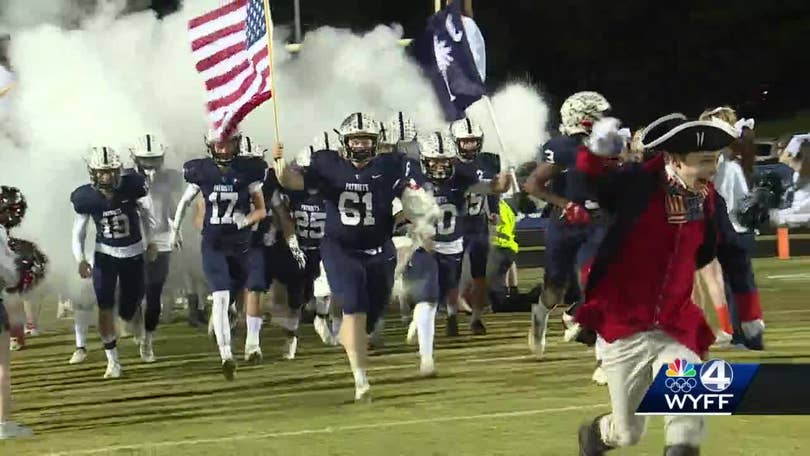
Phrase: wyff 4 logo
(698, 394)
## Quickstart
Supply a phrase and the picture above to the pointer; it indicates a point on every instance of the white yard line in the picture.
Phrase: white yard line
(329, 430)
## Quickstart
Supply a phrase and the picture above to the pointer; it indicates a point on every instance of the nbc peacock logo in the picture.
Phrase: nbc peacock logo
(681, 376)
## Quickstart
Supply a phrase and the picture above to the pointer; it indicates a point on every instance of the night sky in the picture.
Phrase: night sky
(645, 58)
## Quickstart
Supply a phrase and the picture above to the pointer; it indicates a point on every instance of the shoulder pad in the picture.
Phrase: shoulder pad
(192, 171)
(134, 185)
(81, 199)
(491, 161)
(558, 150)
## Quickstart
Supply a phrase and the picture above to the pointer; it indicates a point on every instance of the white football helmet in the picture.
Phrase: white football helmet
(399, 128)
(104, 166)
(359, 126)
(223, 152)
(438, 154)
(580, 111)
(148, 153)
(326, 141)
(468, 136)
(248, 148)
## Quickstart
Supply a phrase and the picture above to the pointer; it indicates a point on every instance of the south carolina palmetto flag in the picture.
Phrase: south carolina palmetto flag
(230, 49)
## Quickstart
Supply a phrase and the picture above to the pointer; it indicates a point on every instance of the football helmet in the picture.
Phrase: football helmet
(359, 135)
(580, 111)
(399, 128)
(148, 154)
(249, 149)
(12, 206)
(438, 154)
(31, 263)
(223, 151)
(104, 166)
(469, 138)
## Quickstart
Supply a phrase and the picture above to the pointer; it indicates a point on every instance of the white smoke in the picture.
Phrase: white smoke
(115, 78)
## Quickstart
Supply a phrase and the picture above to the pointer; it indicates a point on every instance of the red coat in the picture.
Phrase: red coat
(643, 274)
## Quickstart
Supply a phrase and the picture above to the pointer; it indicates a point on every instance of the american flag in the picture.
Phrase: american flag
(229, 45)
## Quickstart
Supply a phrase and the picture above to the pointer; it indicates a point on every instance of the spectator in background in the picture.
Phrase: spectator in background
(796, 155)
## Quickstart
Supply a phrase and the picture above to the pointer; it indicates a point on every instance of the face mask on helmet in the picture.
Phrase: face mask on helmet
(438, 168)
(149, 163)
(12, 206)
(106, 178)
(223, 152)
(468, 148)
(360, 148)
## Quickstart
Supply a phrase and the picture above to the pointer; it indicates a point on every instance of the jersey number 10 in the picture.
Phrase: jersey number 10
(222, 197)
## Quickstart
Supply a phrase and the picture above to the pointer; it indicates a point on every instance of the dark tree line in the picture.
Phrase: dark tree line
(647, 57)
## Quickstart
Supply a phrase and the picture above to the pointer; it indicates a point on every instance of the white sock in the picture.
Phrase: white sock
(451, 310)
(222, 326)
(112, 353)
(254, 327)
(147, 338)
(359, 376)
(81, 321)
(424, 314)
(476, 314)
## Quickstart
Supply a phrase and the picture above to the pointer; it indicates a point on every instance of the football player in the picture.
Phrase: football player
(577, 224)
(165, 186)
(434, 270)
(118, 204)
(358, 187)
(232, 191)
(469, 138)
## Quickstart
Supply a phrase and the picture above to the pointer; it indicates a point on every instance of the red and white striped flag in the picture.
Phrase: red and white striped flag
(229, 45)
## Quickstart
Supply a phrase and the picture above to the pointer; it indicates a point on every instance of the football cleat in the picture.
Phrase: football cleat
(362, 393)
(229, 369)
(411, 338)
(253, 355)
(10, 430)
(537, 333)
(427, 368)
(31, 330)
(16, 344)
(572, 328)
(290, 347)
(321, 326)
(113, 370)
(147, 353)
(477, 327)
(78, 356)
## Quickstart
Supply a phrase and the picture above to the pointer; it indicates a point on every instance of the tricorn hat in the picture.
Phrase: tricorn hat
(659, 127)
(681, 136)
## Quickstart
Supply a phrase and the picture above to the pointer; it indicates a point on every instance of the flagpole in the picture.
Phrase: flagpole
(495, 123)
(437, 5)
(268, 19)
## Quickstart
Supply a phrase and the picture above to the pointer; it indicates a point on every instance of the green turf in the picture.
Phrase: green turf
(491, 397)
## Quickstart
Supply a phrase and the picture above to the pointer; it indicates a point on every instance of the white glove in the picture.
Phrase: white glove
(605, 139)
(175, 238)
(240, 220)
(297, 253)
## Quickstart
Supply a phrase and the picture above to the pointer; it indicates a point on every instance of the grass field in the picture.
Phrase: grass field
(491, 396)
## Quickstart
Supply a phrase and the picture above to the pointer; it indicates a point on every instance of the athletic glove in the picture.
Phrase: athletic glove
(575, 214)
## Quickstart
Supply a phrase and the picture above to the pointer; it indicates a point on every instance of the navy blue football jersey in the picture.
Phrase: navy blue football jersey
(570, 183)
(226, 192)
(118, 223)
(478, 206)
(270, 187)
(450, 195)
(308, 210)
(358, 201)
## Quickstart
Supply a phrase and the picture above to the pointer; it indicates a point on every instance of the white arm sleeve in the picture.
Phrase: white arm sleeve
(79, 234)
(255, 187)
(182, 205)
(148, 218)
(8, 267)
